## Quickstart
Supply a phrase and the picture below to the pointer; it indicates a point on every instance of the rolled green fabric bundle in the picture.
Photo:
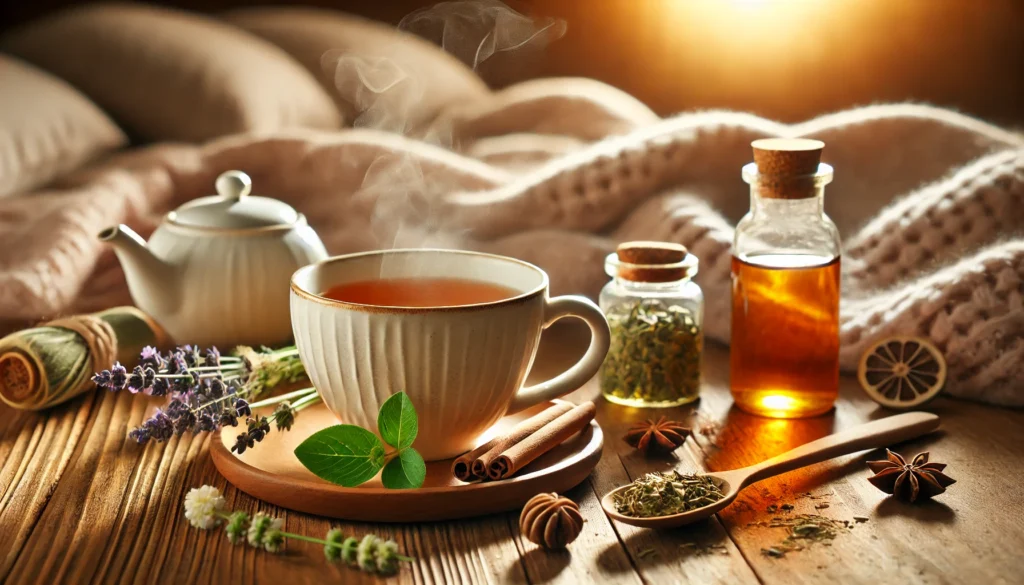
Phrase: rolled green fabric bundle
(46, 365)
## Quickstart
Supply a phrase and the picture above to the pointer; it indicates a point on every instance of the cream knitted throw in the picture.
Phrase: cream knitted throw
(930, 205)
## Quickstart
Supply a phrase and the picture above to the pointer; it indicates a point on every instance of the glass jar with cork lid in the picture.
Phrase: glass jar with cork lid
(655, 312)
(784, 349)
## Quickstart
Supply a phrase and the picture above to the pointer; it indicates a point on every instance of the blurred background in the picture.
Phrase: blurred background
(784, 59)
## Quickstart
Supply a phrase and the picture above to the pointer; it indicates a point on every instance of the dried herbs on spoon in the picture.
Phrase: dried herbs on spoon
(666, 493)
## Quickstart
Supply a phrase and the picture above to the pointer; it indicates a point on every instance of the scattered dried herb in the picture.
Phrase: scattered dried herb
(805, 530)
(662, 436)
(666, 493)
(647, 552)
(917, 480)
(703, 549)
(655, 354)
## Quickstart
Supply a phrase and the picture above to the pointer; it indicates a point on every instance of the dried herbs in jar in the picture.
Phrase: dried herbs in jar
(654, 311)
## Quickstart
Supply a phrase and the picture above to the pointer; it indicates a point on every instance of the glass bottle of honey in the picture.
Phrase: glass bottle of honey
(784, 350)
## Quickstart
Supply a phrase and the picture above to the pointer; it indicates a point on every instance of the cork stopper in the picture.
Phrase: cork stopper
(642, 252)
(644, 261)
(786, 167)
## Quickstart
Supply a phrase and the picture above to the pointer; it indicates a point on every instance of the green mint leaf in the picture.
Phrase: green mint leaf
(343, 454)
(405, 471)
(397, 422)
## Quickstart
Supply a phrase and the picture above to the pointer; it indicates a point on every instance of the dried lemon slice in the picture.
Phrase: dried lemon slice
(902, 372)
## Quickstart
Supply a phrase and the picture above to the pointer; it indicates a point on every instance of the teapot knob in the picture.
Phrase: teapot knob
(233, 185)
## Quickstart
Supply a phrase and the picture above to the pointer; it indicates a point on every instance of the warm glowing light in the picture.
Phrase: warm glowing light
(736, 29)
(778, 402)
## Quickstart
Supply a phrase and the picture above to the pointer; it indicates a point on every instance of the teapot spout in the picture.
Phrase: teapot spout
(152, 282)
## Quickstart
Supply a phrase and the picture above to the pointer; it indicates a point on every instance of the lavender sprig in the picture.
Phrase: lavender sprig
(205, 509)
(208, 391)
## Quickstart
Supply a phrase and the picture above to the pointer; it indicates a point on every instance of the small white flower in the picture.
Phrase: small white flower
(273, 539)
(260, 526)
(202, 506)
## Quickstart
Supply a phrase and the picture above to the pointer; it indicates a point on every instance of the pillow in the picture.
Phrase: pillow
(46, 128)
(169, 75)
(378, 76)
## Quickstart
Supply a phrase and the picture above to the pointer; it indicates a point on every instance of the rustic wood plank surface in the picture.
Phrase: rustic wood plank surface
(81, 503)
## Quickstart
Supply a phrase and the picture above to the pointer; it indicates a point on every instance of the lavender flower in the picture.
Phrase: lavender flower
(137, 381)
(148, 378)
(185, 422)
(284, 416)
(160, 426)
(217, 388)
(140, 435)
(176, 408)
(190, 355)
(258, 428)
(151, 357)
(101, 379)
(206, 391)
(205, 423)
(118, 377)
(227, 419)
(212, 357)
(159, 387)
(242, 442)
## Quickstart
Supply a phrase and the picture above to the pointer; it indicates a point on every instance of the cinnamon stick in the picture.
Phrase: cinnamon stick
(540, 442)
(464, 467)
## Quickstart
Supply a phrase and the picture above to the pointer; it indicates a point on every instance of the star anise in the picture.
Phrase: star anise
(917, 480)
(659, 437)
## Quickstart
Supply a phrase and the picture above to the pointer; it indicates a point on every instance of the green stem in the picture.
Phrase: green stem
(334, 544)
(284, 352)
(305, 401)
(281, 398)
(221, 399)
(310, 539)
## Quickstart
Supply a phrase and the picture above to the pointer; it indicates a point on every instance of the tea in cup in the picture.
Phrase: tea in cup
(456, 331)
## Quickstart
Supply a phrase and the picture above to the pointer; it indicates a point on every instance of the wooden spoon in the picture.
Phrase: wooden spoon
(880, 433)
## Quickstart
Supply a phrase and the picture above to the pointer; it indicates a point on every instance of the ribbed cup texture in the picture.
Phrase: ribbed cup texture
(460, 368)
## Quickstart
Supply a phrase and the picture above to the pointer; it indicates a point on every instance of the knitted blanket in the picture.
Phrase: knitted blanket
(930, 205)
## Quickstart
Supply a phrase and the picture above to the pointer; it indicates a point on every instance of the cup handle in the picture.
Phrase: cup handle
(576, 376)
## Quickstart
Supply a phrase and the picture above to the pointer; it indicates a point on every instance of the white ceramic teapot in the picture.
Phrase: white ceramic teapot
(216, 271)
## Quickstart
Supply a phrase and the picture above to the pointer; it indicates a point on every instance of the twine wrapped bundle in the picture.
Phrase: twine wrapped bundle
(46, 365)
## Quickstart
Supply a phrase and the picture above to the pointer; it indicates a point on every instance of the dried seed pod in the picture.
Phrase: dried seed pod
(551, 521)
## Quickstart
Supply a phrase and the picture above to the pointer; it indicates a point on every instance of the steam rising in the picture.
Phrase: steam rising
(474, 31)
(385, 93)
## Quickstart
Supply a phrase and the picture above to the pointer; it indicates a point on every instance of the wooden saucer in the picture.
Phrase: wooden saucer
(272, 473)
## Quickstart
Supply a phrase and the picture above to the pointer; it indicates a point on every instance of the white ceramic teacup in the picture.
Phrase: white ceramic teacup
(461, 366)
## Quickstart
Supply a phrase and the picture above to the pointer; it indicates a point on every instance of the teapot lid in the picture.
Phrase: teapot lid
(234, 208)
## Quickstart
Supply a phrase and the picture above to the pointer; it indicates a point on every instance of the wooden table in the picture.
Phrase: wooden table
(81, 503)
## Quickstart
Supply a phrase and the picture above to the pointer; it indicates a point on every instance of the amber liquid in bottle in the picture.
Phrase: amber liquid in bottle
(785, 334)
